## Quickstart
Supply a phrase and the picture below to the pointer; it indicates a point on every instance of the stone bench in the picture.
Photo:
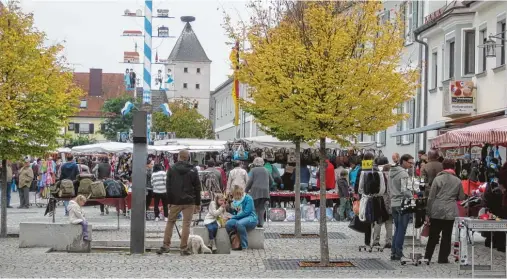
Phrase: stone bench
(255, 239)
(57, 236)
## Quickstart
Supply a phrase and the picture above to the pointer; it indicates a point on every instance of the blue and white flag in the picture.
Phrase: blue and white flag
(127, 108)
(166, 110)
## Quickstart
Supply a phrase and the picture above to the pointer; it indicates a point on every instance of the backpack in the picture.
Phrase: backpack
(85, 186)
(66, 189)
(113, 188)
(97, 190)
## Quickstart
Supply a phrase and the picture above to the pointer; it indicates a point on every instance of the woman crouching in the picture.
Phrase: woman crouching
(244, 218)
(76, 214)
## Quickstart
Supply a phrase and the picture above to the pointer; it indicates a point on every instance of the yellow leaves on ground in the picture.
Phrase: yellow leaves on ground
(37, 93)
(324, 70)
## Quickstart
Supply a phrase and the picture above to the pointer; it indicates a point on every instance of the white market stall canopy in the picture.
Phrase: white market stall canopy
(121, 147)
(272, 142)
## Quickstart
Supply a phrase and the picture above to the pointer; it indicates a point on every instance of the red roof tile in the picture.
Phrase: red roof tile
(113, 86)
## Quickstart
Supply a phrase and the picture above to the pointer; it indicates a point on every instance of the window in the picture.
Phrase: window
(83, 104)
(197, 86)
(434, 64)
(409, 11)
(84, 128)
(71, 126)
(196, 105)
(185, 70)
(502, 48)
(102, 127)
(469, 52)
(198, 70)
(399, 125)
(381, 138)
(411, 119)
(451, 59)
(483, 37)
(185, 86)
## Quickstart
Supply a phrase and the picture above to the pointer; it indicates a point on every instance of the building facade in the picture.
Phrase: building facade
(99, 87)
(190, 68)
(459, 69)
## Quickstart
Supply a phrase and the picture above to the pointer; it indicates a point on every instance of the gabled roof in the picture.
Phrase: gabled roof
(113, 85)
(188, 48)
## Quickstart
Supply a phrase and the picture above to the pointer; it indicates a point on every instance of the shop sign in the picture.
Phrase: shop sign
(462, 97)
(439, 13)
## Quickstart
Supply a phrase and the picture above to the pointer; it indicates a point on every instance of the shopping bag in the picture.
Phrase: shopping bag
(425, 232)
(235, 241)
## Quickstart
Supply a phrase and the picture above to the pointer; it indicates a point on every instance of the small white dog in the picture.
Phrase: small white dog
(196, 245)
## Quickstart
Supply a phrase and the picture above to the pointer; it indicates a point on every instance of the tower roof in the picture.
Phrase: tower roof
(188, 48)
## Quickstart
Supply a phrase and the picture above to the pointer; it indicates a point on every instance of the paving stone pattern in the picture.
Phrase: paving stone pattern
(359, 264)
(29, 263)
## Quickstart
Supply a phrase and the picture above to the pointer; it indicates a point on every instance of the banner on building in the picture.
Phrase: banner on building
(234, 57)
(462, 94)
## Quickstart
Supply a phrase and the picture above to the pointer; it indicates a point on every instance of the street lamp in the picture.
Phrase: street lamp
(490, 45)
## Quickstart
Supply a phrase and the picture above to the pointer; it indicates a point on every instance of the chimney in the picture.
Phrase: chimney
(95, 88)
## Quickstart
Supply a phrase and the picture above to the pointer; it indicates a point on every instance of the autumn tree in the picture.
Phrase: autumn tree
(185, 121)
(37, 93)
(115, 122)
(327, 69)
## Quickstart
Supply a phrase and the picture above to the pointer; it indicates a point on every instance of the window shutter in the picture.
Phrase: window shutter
(383, 138)
(102, 127)
(92, 129)
(399, 125)
(411, 120)
(76, 128)
(415, 6)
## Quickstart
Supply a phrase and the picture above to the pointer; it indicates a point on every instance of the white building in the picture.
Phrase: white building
(222, 114)
(464, 86)
(190, 69)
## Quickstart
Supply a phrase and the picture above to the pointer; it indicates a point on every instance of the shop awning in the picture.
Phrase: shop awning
(431, 127)
(493, 132)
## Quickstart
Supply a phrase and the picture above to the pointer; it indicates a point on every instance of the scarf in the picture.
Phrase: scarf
(236, 205)
(451, 171)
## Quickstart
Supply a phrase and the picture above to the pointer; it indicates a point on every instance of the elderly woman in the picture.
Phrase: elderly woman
(258, 187)
(244, 218)
(445, 190)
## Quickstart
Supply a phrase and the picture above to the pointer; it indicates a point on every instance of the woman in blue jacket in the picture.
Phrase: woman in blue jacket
(244, 218)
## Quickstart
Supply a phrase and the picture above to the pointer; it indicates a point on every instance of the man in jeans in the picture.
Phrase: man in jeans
(399, 187)
(183, 195)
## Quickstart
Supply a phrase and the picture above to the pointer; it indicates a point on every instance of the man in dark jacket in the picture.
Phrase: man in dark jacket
(183, 194)
(430, 170)
(344, 193)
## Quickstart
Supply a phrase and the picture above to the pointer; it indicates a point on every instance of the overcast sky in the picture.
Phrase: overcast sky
(90, 30)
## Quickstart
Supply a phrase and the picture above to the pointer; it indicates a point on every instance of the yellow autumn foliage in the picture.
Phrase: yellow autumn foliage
(322, 73)
(37, 93)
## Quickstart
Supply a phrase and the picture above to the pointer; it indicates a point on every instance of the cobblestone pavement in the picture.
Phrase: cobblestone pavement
(16, 262)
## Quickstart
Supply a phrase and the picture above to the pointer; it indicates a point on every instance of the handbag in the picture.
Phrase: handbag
(358, 226)
(355, 207)
(425, 232)
(292, 157)
(240, 153)
(235, 241)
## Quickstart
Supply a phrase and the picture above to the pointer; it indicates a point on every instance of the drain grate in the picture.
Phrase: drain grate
(358, 264)
(330, 235)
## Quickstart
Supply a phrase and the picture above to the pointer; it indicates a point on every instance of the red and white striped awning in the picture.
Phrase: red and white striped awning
(493, 132)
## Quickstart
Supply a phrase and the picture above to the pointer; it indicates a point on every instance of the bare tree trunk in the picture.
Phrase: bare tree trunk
(3, 215)
(297, 190)
(324, 246)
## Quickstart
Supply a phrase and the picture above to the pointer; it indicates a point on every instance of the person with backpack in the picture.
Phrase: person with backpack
(68, 171)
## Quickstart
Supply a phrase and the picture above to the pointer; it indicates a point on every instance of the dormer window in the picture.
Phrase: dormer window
(83, 104)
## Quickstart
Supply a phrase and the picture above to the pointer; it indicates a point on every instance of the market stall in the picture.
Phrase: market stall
(489, 136)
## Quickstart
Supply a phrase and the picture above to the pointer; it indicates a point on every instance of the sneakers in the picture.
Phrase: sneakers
(185, 253)
(165, 219)
(157, 219)
(163, 250)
